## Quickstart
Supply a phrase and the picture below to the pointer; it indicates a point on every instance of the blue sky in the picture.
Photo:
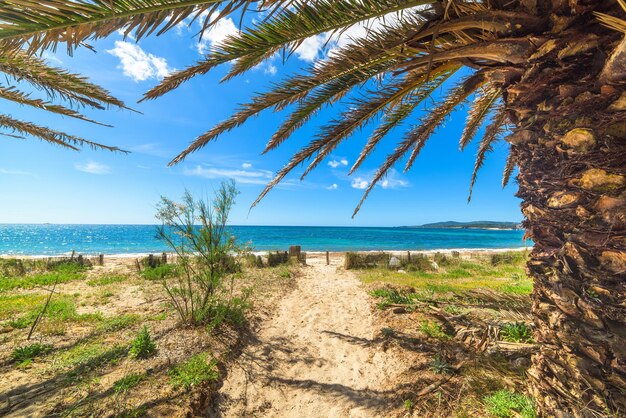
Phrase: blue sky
(43, 183)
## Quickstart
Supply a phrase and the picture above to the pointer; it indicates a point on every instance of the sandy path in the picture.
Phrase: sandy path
(314, 357)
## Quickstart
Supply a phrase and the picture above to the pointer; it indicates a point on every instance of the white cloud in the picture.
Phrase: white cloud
(16, 173)
(246, 165)
(337, 163)
(240, 176)
(221, 30)
(93, 167)
(332, 187)
(393, 181)
(137, 64)
(359, 183)
(310, 48)
(270, 69)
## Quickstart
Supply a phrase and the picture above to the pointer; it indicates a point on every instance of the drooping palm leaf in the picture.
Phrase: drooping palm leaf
(50, 135)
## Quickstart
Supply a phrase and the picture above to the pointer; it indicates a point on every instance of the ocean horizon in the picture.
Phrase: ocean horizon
(92, 239)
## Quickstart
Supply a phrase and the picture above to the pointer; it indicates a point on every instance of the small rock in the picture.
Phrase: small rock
(394, 262)
(434, 265)
(521, 363)
(402, 271)
(399, 310)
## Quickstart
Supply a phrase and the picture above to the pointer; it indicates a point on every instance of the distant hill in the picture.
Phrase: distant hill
(470, 225)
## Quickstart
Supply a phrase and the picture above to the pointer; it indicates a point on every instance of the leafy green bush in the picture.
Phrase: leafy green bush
(517, 332)
(161, 272)
(196, 370)
(507, 404)
(26, 354)
(143, 346)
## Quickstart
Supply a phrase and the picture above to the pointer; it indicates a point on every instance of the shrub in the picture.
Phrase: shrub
(161, 272)
(196, 231)
(506, 404)
(439, 365)
(517, 332)
(143, 346)
(26, 354)
(196, 370)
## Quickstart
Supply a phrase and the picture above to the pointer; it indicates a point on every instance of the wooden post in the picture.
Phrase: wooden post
(408, 254)
(137, 265)
(327, 258)
(101, 259)
(294, 251)
(73, 253)
(164, 258)
(151, 260)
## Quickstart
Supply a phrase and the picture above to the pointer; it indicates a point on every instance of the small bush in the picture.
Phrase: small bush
(127, 382)
(160, 272)
(142, 346)
(516, 332)
(196, 370)
(439, 365)
(26, 354)
(507, 404)
(433, 330)
(388, 332)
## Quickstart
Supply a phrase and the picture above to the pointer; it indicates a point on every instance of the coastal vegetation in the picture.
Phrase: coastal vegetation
(121, 354)
(468, 318)
(548, 77)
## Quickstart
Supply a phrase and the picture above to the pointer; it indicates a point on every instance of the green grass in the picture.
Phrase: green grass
(196, 370)
(106, 280)
(82, 359)
(26, 354)
(517, 332)
(127, 382)
(459, 275)
(33, 273)
(433, 330)
(116, 323)
(60, 309)
(507, 404)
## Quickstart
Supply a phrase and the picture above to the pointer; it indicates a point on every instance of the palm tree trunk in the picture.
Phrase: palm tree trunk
(571, 153)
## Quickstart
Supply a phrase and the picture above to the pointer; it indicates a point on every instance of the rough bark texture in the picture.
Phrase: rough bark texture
(570, 145)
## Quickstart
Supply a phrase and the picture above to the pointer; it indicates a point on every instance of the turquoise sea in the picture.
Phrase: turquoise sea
(31, 239)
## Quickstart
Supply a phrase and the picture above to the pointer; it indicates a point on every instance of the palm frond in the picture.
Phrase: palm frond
(286, 30)
(613, 22)
(13, 94)
(483, 104)
(56, 81)
(492, 134)
(43, 25)
(50, 135)
(509, 166)
(417, 136)
(403, 110)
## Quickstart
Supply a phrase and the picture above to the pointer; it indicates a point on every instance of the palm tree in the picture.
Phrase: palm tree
(548, 77)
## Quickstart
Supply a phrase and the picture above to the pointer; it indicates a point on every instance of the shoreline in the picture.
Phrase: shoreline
(265, 252)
